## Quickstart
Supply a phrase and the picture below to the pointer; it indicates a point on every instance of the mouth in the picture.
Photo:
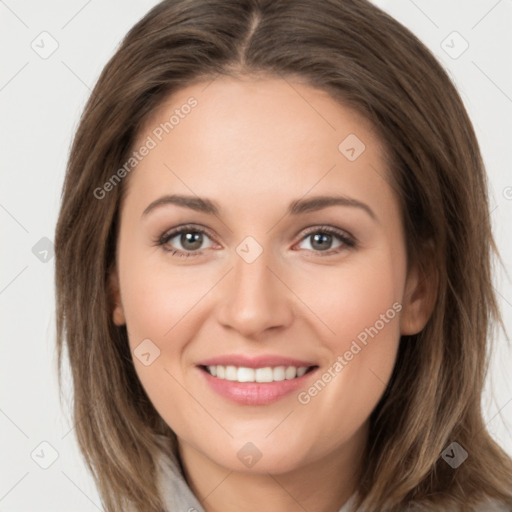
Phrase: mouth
(255, 381)
(266, 374)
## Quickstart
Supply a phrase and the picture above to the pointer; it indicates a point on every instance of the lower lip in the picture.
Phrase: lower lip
(255, 393)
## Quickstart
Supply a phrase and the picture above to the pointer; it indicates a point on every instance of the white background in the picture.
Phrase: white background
(41, 100)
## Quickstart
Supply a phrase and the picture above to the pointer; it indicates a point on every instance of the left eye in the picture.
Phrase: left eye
(321, 241)
(190, 240)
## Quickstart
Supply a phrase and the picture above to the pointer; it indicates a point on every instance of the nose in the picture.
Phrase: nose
(254, 298)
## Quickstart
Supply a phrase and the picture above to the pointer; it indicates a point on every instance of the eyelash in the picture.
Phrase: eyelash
(347, 241)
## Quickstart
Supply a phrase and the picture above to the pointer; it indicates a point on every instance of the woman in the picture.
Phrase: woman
(273, 268)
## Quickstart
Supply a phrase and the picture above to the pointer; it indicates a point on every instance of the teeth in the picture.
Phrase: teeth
(246, 374)
(290, 373)
(278, 373)
(266, 374)
(301, 371)
(231, 373)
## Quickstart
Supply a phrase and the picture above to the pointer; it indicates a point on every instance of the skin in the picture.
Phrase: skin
(254, 145)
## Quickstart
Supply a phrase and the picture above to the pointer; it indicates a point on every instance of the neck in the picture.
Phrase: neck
(323, 485)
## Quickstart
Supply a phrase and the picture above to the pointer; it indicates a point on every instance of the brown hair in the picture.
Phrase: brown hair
(368, 61)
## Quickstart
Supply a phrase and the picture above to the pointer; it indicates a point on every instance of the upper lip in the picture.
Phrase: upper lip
(255, 362)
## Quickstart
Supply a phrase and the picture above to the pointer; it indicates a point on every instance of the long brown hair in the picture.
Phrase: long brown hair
(366, 60)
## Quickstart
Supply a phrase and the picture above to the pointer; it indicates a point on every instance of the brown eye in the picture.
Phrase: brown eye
(191, 241)
(321, 240)
(185, 241)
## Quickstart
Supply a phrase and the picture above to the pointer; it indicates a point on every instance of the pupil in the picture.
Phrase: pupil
(322, 240)
(195, 239)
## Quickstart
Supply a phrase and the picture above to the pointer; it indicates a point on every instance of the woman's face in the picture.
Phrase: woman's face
(292, 260)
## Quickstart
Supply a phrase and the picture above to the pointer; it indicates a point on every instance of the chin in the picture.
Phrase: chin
(258, 457)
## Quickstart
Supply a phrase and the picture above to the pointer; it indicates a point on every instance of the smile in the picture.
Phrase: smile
(261, 375)
(257, 385)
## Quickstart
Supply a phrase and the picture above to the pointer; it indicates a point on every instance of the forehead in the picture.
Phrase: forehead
(252, 111)
(254, 137)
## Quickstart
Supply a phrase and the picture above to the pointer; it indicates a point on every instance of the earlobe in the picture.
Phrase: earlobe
(419, 299)
(115, 299)
(118, 315)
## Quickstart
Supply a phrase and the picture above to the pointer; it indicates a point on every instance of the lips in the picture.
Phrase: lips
(257, 380)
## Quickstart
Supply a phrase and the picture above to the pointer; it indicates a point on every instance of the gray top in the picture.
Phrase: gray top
(177, 496)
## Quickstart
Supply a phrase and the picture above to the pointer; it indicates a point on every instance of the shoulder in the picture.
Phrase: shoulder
(489, 505)
(349, 505)
(492, 506)
(175, 493)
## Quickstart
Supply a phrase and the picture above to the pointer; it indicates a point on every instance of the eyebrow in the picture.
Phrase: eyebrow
(296, 207)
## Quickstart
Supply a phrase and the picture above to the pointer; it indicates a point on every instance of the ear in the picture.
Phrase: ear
(115, 298)
(419, 297)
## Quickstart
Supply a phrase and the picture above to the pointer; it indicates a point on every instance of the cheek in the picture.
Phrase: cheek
(158, 302)
(362, 312)
(159, 306)
(353, 298)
